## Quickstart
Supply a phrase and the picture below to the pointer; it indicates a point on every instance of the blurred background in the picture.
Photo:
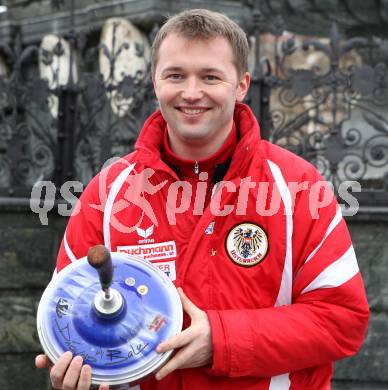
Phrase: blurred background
(75, 89)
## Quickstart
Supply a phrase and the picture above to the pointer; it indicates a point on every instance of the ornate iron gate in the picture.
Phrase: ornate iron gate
(326, 100)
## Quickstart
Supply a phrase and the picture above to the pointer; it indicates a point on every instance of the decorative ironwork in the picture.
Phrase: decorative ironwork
(57, 4)
(332, 115)
(324, 99)
(20, 131)
(58, 130)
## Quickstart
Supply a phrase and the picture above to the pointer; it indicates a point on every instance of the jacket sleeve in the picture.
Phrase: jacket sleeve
(84, 228)
(328, 314)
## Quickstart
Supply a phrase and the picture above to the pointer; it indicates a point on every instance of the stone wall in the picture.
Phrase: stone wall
(27, 258)
(27, 254)
(369, 366)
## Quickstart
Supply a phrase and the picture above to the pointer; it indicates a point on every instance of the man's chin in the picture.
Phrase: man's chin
(194, 136)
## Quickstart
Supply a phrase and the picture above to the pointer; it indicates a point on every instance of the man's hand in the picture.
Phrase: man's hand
(195, 341)
(68, 373)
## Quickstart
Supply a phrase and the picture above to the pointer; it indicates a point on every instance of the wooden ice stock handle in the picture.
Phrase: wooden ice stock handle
(99, 258)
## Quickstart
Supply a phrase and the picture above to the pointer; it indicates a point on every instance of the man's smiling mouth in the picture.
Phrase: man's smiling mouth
(192, 111)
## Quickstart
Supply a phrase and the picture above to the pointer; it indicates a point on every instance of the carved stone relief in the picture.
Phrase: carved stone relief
(124, 58)
(54, 66)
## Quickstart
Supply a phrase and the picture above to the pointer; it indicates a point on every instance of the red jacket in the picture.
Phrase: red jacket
(277, 275)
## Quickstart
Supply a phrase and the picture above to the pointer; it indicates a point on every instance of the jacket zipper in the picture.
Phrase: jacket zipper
(196, 168)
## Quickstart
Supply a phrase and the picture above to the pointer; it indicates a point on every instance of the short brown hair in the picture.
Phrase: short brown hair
(204, 24)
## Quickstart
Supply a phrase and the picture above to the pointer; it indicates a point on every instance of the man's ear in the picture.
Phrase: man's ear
(243, 87)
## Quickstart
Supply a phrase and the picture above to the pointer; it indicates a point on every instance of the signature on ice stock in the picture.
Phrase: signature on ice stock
(117, 356)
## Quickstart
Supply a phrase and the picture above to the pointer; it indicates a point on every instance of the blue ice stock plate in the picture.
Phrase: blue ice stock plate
(120, 349)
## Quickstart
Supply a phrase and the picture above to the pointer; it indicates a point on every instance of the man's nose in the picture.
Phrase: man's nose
(192, 89)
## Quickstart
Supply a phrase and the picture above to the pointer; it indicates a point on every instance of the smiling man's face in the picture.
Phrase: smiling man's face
(197, 86)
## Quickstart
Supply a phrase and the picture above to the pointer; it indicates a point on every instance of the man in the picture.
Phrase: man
(273, 294)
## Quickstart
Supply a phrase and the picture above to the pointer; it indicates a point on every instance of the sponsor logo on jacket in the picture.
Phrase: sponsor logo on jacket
(151, 252)
(145, 234)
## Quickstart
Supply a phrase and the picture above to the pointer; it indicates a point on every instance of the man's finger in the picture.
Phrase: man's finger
(177, 341)
(104, 386)
(42, 361)
(85, 378)
(59, 369)
(187, 305)
(177, 361)
(73, 374)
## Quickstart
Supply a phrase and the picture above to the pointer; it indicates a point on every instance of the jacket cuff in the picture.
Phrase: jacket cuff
(233, 348)
(221, 353)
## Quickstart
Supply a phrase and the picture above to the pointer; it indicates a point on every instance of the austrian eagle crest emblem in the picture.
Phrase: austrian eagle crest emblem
(247, 244)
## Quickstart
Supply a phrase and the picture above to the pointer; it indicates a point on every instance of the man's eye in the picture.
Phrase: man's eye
(211, 77)
(175, 76)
